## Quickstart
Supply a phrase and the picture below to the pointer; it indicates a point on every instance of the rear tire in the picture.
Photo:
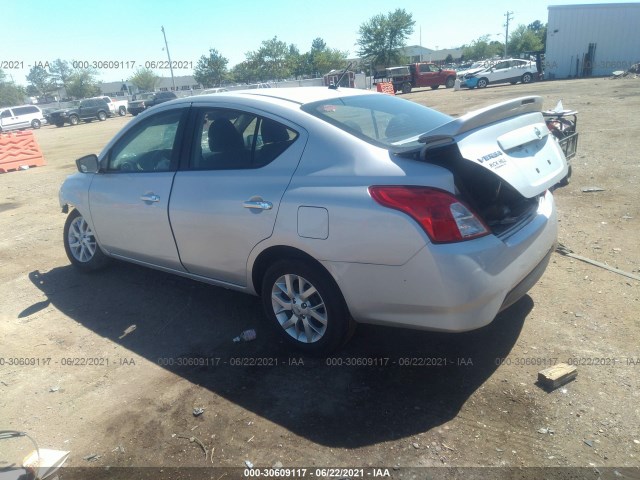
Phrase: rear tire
(35, 124)
(527, 78)
(102, 116)
(305, 305)
(122, 111)
(74, 120)
(406, 88)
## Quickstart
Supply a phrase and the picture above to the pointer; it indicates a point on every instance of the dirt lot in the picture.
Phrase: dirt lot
(482, 409)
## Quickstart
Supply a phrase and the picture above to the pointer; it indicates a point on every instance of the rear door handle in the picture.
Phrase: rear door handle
(150, 197)
(258, 205)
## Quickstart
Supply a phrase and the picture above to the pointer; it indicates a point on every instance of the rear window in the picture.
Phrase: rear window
(380, 119)
(25, 110)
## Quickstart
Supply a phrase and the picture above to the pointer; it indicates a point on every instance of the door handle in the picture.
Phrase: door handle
(258, 205)
(150, 197)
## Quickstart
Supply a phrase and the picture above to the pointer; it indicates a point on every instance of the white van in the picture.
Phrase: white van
(19, 118)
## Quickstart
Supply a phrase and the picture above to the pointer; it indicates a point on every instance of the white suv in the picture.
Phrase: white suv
(19, 118)
(511, 70)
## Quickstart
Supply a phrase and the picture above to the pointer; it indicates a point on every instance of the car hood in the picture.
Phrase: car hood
(511, 140)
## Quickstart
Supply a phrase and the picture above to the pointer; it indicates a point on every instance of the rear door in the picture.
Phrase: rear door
(10, 121)
(226, 198)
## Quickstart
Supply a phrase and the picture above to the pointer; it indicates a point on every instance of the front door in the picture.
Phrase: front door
(129, 199)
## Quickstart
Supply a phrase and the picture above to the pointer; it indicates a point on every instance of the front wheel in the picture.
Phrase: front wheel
(102, 116)
(74, 120)
(122, 111)
(526, 78)
(451, 81)
(35, 124)
(482, 83)
(305, 305)
(80, 244)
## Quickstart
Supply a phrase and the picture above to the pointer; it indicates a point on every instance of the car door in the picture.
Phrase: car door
(500, 72)
(225, 200)
(129, 197)
(9, 120)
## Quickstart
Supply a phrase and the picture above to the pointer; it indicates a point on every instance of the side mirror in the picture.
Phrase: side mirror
(88, 164)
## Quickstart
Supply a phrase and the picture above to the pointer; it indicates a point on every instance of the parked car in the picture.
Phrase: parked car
(116, 107)
(21, 117)
(418, 75)
(335, 206)
(148, 100)
(213, 90)
(87, 110)
(512, 71)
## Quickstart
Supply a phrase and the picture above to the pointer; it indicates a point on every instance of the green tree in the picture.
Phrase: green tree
(321, 59)
(10, 93)
(270, 61)
(382, 37)
(540, 30)
(211, 70)
(449, 59)
(244, 72)
(481, 48)
(60, 72)
(40, 80)
(83, 84)
(523, 40)
(145, 79)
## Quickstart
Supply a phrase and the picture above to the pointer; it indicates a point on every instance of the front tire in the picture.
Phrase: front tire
(482, 83)
(406, 88)
(35, 124)
(305, 305)
(80, 244)
(451, 81)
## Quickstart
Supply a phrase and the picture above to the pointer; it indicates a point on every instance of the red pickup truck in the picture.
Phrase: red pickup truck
(418, 75)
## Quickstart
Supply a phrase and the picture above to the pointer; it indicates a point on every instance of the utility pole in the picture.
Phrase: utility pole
(173, 80)
(509, 16)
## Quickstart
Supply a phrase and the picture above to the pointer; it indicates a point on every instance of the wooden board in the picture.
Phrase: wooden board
(557, 375)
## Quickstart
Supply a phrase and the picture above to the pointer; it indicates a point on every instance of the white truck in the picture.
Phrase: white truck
(116, 107)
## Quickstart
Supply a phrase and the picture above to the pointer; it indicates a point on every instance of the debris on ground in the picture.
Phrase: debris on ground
(593, 189)
(198, 411)
(127, 331)
(197, 441)
(248, 464)
(91, 457)
(553, 377)
(246, 336)
(54, 388)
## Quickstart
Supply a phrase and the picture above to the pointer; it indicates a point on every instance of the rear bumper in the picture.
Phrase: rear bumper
(454, 287)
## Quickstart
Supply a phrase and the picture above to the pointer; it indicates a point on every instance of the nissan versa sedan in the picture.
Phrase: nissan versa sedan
(335, 206)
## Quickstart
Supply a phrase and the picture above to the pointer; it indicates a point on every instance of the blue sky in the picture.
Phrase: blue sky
(38, 31)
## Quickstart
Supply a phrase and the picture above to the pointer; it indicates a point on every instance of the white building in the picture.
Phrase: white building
(592, 40)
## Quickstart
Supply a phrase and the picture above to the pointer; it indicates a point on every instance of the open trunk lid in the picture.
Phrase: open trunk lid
(509, 139)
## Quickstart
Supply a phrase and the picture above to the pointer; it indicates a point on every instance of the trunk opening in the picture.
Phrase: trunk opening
(501, 207)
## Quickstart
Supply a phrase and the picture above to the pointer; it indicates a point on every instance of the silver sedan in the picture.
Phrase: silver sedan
(335, 206)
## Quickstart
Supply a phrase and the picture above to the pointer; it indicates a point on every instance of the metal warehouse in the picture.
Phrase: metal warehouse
(592, 40)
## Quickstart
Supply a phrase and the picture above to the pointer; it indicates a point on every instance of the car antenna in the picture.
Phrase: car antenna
(344, 72)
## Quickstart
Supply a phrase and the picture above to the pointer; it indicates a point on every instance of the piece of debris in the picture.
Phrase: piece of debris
(593, 189)
(415, 445)
(198, 411)
(246, 336)
(93, 456)
(278, 464)
(588, 443)
(44, 461)
(448, 447)
(557, 375)
(543, 430)
(637, 442)
(119, 449)
(248, 464)
(54, 389)
(127, 331)
(196, 440)
(567, 252)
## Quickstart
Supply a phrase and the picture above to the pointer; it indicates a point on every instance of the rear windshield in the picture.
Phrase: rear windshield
(380, 119)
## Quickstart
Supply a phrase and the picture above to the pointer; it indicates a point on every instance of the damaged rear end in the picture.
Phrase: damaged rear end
(503, 160)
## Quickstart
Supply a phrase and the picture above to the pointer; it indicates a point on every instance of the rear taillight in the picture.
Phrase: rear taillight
(442, 216)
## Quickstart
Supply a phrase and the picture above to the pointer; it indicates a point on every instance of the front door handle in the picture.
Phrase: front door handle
(258, 205)
(150, 197)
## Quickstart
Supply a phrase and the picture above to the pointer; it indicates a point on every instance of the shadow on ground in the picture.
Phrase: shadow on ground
(328, 403)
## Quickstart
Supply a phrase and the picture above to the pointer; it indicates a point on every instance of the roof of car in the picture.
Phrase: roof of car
(299, 95)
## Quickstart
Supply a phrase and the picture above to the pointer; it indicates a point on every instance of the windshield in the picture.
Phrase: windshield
(380, 119)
